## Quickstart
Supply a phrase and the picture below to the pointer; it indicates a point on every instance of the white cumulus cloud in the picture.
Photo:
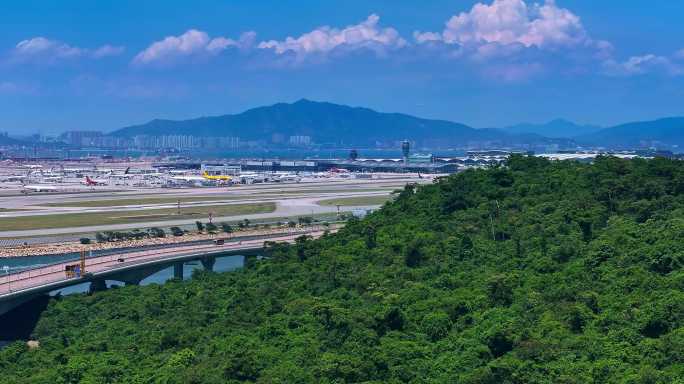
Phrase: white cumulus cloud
(366, 34)
(191, 43)
(514, 22)
(41, 46)
(679, 54)
(42, 49)
(644, 64)
(108, 50)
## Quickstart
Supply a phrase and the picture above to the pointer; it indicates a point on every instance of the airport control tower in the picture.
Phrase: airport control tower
(406, 150)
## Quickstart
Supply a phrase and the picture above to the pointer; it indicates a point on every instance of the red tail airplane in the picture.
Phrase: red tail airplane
(92, 183)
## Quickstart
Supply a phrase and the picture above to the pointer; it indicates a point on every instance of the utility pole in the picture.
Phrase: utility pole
(83, 266)
(179, 207)
(6, 269)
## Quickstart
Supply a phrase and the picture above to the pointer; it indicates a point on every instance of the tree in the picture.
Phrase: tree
(436, 325)
(500, 289)
(413, 255)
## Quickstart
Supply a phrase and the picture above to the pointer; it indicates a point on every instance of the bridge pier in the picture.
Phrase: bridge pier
(8, 305)
(178, 270)
(131, 282)
(97, 285)
(134, 277)
(208, 263)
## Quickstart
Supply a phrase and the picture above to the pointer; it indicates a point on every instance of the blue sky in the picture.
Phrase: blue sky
(107, 64)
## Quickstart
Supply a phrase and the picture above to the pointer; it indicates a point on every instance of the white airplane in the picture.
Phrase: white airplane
(252, 178)
(12, 179)
(289, 177)
(188, 179)
(52, 179)
(94, 182)
(40, 188)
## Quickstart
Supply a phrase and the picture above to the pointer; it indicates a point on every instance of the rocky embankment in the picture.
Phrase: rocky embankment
(70, 247)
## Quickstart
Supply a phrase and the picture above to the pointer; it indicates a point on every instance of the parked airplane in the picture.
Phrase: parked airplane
(253, 178)
(93, 183)
(188, 179)
(338, 170)
(216, 177)
(284, 178)
(40, 188)
(11, 179)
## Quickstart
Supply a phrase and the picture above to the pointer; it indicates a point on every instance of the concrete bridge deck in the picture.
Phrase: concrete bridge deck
(18, 288)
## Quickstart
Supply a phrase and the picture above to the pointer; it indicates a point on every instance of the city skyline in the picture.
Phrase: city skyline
(485, 64)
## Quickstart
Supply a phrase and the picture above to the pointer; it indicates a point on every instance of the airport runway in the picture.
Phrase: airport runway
(291, 200)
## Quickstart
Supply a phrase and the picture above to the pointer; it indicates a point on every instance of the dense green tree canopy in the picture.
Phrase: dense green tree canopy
(534, 272)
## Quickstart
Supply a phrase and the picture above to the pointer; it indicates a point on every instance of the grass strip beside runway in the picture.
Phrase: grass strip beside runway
(198, 199)
(20, 223)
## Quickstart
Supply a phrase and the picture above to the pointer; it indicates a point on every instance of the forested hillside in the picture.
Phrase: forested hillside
(537, 272)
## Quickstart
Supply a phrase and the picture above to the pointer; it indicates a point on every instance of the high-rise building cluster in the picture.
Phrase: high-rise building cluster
(300, 140)
(96, 139)
(185, 142)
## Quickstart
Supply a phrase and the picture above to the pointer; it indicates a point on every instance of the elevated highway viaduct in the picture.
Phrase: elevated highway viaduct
(128, 268)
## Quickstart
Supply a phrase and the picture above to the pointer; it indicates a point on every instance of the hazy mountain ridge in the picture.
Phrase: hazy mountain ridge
(343, 125)
(329, 123)
(5, 140)
(558, 128)
(666, 131)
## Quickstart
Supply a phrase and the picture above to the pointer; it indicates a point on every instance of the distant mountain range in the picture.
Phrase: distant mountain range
(668, 132)
(336, 124)
(4, 140)
(558, 128)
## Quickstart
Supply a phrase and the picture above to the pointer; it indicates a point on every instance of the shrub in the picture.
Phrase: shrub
(156, 232)
(212, 228)
(175, 231)
(225, 227)
(85, 240)
(305, 220)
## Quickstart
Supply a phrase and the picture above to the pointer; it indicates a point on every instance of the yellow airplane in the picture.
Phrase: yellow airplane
(216, 177)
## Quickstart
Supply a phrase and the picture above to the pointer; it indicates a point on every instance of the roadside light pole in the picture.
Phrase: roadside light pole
(83, 263)
(6, 269)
